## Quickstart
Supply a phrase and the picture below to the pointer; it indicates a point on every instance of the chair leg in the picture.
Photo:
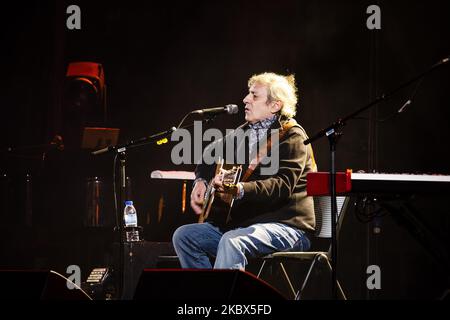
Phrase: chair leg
(283, 269)
(261, 268)
(340, 291)
(339, 288)
(318, 258)
(298, 295)
(288, 280)
(299, 292)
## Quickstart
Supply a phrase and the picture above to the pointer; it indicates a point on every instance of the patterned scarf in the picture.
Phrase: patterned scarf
(259, 130)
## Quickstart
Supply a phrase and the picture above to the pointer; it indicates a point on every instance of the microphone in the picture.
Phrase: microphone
(229, 108)
(103, 150)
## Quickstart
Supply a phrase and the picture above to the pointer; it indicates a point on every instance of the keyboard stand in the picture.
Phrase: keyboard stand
(409, 217)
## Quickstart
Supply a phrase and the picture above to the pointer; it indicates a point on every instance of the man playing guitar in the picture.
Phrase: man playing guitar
(270, 212)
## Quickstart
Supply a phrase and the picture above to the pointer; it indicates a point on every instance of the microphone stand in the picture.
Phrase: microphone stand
(120, 151)
(333, 132)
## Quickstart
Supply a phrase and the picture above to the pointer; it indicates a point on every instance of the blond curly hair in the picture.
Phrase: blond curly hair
(279, 88)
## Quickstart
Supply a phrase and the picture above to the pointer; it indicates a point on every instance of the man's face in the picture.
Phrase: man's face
(256, 106)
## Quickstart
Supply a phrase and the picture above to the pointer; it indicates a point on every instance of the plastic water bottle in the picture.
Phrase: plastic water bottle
(130, 214)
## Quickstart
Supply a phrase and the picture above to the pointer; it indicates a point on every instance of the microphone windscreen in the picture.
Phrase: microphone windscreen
(232, 108)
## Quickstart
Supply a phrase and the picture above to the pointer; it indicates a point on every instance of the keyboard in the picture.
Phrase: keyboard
(378, 183)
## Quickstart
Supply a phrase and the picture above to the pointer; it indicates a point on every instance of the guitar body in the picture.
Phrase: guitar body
(217, 203)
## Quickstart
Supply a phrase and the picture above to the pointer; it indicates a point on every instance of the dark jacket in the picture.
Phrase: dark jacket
(280, 197)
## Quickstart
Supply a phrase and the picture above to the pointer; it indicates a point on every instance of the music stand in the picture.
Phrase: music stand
(94, 137)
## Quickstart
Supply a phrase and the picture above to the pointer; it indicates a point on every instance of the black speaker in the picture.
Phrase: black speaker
(203, 285)
(37, 285)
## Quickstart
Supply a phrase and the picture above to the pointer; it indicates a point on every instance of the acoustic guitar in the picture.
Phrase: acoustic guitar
(219, 203)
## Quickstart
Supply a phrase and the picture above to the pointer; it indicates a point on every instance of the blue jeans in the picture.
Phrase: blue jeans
(196, 243)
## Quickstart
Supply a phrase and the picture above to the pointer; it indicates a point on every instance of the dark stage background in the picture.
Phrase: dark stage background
(164, 59)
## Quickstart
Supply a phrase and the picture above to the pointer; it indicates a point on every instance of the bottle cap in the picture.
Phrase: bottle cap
(128, 203)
